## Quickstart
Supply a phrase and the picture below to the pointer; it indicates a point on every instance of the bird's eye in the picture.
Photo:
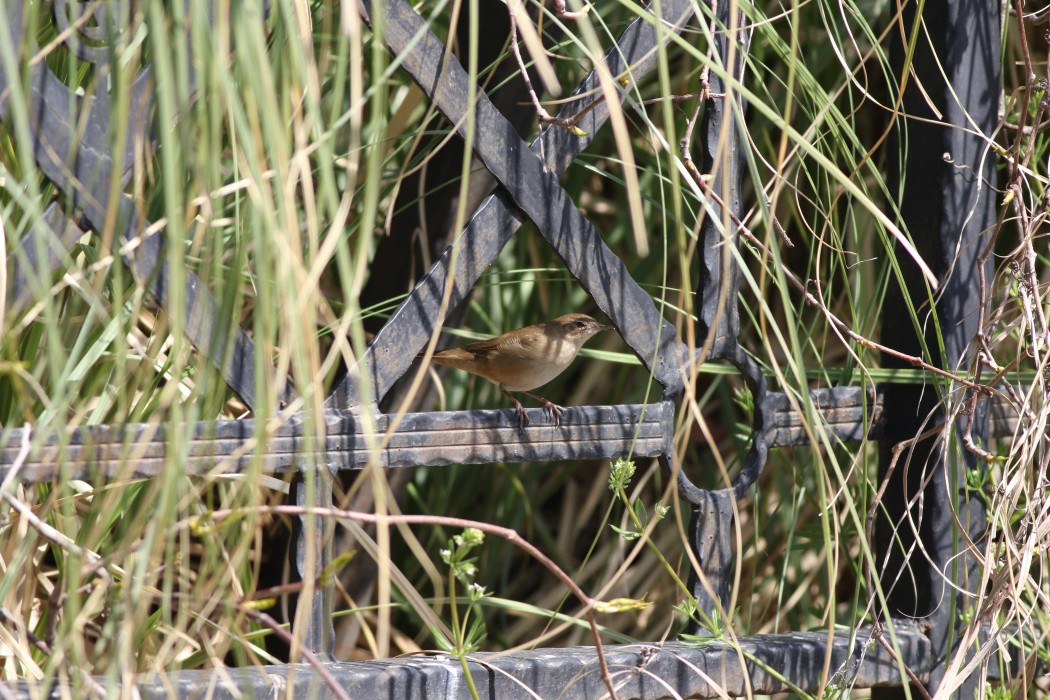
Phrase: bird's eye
(579, 324)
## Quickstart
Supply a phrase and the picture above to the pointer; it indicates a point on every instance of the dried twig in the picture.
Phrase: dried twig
(915, 680)
(590, 604)
(545, 117)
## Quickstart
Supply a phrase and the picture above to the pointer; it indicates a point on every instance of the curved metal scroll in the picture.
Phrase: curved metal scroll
(534, 189)
(719, 316)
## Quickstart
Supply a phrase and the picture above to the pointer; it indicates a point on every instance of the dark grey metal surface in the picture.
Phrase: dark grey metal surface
(846, 413)
(928, 517)
(721, 160)
(717, 300)
(40, 253)
(710, 531)
(434, 439)
(649, 671)
(529, 185)
(313, 555)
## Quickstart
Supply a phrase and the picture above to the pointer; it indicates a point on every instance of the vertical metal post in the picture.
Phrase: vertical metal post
(710, 529)
(944, 179)
(313, 555)
(716, 301)
(719, 317)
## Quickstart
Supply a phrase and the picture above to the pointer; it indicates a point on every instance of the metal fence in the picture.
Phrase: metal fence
(76, 158)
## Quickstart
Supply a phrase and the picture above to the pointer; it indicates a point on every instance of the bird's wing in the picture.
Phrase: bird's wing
(455, 355)
(514, 344)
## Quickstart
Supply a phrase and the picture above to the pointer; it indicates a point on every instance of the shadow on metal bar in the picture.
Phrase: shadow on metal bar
(845, 414)
(434, 439)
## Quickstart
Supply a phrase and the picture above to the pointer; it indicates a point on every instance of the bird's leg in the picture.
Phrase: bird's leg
(523, 419)
(552, 409)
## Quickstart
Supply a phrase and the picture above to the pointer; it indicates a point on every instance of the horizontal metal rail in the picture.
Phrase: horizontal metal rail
(437, 438)
(846, 414)
(651, 671)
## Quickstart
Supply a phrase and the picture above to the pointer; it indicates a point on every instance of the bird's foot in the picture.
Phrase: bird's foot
(554, 411)
(523, 418)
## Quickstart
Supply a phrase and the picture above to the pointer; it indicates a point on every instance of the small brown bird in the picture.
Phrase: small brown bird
(527, 358)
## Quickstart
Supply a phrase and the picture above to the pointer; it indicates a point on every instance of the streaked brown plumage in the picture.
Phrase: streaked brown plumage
(526, 358)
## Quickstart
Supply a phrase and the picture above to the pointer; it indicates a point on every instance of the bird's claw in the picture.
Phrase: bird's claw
(554, 412)
(523, 418)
